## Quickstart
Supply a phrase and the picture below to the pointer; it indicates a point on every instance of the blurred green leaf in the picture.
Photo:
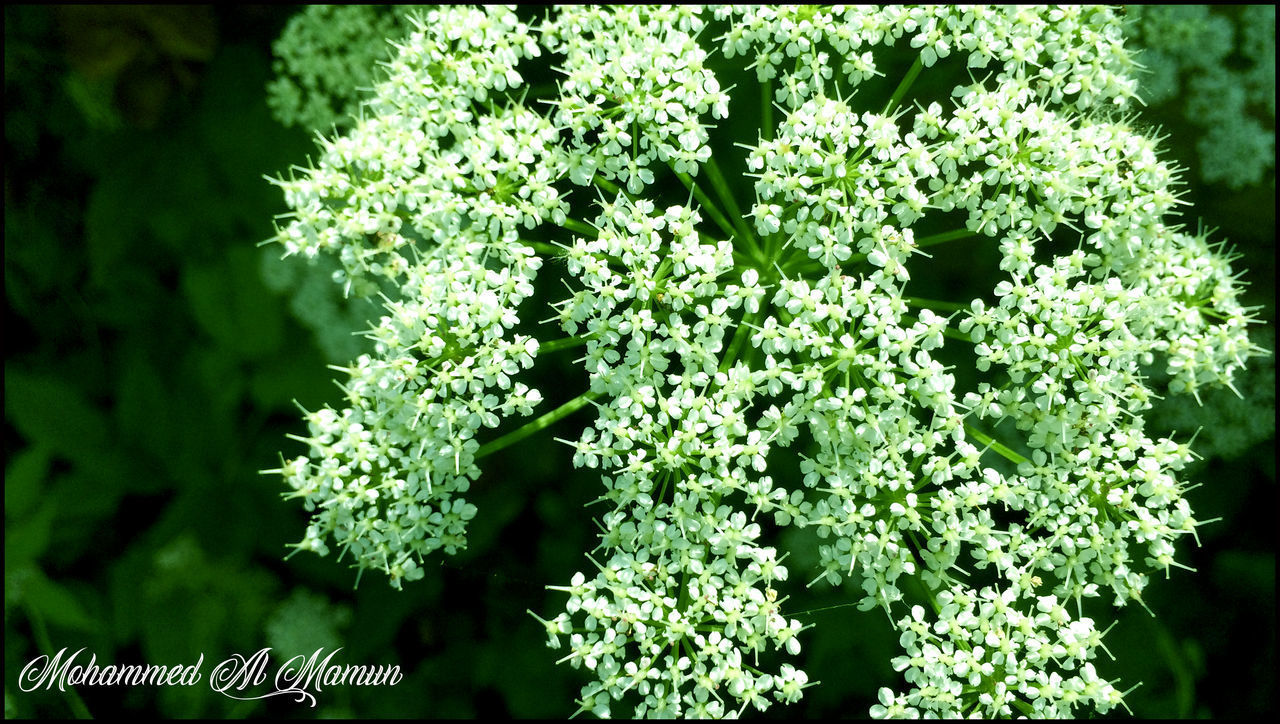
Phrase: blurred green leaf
(23, 480)
(37, 263)
(233, 306)
(112, 221)
(277, 382)
(49, 411)
(232, 100)
(26, 540)
(189, 32)
(143, 410)
(1249, 574)
(57, 604)
(191, 604)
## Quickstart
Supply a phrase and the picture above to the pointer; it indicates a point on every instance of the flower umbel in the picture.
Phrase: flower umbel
(758, 352)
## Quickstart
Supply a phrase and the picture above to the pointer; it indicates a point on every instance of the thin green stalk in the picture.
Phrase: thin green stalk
(740, 336)
(556, 345)
(766, 109)
(606, 184)
(928, 592)
(994, 444)
(944, 237)
(905, 85)
(725, 193)
(797, 614)
(542, 90)
(537, 425)
(710, 207)
(801, 264)
(41, 635)
(543, 247)
(934, 304)
(580, 228)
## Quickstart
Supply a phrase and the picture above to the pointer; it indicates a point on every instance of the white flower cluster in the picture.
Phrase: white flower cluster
(770, 369)
(389, 470)
(976, 634)
(686, 601)
(635, 90)
(1072, 55)
(427, 195)
(1226, 424)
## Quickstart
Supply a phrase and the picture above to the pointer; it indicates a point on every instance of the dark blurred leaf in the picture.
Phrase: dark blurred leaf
(100, 40)
(187, 213)
(232, 100)
(57, 604)
(24, 479)
(192, 604)
(88, 496)
(232, 305)
(277, 382)
(34, 250)
(95, 98)
(142, 92)
(1248, 574)
(208, 289)
(138, 53)
(47, 410)
(26, 540)
(124, 592)
(112, 221)
(183, 31)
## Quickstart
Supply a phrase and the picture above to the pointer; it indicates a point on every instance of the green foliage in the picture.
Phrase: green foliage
(327, 56)
(306, 622)
(337, 322)
(1215, 66)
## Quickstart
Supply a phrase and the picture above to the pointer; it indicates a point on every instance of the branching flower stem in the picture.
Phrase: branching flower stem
(538, 424)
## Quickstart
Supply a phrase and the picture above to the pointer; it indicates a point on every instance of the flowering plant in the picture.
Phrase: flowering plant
(975, 465)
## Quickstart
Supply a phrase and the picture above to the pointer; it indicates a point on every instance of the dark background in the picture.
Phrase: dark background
(150, 374)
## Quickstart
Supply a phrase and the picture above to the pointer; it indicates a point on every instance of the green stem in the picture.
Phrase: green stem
(994, 444)
(708, 205)
(740, 336)
(920, 564)
(556, 345)
(543, 247)
(542, 90)
(848, 604)
(766, 109)
(41, 635)
(934, 304)
(581, 228)
(725, 193)
(537, 425)
(606, 184)
(944, 237)
(905, 85)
